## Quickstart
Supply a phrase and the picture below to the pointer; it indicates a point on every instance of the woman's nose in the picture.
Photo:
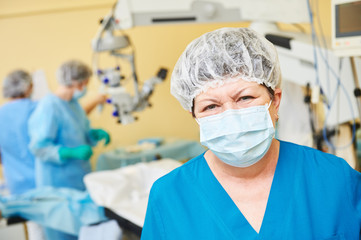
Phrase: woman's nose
(229, 105)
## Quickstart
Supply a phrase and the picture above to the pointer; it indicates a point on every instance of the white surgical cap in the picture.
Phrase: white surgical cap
(73, 71)
(222, 55)
(16, 84)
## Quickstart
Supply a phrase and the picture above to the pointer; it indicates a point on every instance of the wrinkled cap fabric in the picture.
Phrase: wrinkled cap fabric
(16, 84)
(226, 54)
(73, 71)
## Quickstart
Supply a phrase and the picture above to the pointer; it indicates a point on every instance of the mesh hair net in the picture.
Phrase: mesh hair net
(223, 55)
(73, 71)
(16, 84)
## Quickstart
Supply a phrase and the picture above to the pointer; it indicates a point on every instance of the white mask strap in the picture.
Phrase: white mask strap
(269, 104)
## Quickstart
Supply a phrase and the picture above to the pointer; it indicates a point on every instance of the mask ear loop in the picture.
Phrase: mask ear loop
(197, 120)
(269, 104)
(276, 115)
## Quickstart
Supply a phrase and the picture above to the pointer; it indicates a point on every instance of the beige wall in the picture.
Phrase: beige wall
(42, 34)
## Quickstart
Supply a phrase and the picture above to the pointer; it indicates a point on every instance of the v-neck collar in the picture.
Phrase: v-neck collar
(233, 218)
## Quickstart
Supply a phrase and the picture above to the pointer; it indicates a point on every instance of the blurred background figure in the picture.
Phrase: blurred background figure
(18, 162)
(61, 136)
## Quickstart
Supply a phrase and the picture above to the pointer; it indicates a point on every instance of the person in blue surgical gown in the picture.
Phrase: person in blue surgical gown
(247, 185)
(61, 136)
(17, 160)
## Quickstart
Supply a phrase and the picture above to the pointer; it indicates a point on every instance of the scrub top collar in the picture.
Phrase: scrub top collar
(228, 214)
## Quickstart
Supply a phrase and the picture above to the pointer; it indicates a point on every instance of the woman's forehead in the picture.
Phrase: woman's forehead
(229, 87)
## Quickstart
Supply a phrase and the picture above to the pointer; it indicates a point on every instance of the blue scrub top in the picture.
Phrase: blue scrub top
(17, 160)
(58, 123)
(314, 195)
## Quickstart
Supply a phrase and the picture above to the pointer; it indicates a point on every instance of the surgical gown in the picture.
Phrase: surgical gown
(58, 123)
(314, 195)
(17, 160)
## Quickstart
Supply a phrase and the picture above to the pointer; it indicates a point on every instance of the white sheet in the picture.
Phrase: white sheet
(125, 190)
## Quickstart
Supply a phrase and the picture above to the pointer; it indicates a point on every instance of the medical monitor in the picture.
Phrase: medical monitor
(346, 27)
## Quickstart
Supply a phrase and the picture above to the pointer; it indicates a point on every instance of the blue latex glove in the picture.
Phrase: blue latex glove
(83, 152)
(100, 134)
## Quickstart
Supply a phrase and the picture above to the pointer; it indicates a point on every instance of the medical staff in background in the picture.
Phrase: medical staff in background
(16, 159)
(60, 134)
(248, 185)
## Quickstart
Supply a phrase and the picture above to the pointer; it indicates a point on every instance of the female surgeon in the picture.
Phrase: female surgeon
(247, 185)
(61, 137)
(17, 160)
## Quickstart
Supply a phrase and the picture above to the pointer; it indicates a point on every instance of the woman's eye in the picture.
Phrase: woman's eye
(244, 98)
(210, 107)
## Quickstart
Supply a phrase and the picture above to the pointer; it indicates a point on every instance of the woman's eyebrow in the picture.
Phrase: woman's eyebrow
(237, 93)
(208, 98)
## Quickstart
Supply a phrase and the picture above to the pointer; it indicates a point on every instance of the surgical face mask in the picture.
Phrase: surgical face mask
(79, 93)
(238, 137)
